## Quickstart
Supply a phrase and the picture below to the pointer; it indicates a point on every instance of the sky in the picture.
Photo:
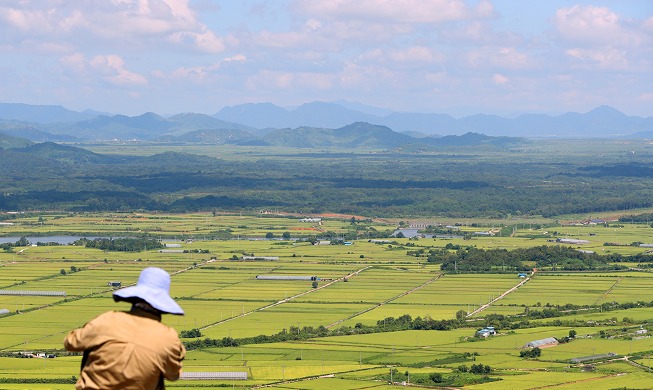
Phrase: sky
(460, 57)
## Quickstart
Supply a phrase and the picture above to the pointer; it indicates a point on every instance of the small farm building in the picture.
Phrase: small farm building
(237, 375)
(547, 342)
(4, 311)
(486, 332)
(259, 258)
(24, 293)
(572, 241)
(523, 275)
(593, 357)
(114, 283)
(310, 220)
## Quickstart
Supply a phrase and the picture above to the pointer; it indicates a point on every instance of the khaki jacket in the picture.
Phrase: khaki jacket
(126, 350)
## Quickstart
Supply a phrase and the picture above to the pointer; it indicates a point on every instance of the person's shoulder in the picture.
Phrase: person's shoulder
(113, 314)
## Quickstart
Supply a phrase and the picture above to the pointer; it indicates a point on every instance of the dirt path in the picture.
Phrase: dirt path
(605, 294)
(480, 309)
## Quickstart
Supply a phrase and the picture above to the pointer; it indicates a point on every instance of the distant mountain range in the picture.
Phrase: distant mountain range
(315, 124)
(601, 122)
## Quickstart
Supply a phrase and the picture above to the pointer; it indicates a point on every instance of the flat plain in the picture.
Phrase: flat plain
(362, 287)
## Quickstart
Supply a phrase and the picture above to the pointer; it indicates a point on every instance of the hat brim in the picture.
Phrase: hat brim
(158, 299)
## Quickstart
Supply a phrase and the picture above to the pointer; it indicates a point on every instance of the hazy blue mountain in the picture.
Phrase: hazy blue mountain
(261, 119)
(430, 124)
(32, 132)
(145, 126)
(364, 108)
(259, 115)
(315, 114)
(188, 122)
(603, 121)
(40, 114)
(356, 135)
(318, 114)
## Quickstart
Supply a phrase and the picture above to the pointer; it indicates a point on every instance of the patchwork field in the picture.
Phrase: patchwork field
(361, 289)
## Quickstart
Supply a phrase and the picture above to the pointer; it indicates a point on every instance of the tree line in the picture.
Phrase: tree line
(555, 257)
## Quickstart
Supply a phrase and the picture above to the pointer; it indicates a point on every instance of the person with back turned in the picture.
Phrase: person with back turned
(131, 350)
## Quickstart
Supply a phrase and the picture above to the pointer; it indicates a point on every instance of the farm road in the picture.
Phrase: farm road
(480, 309)
(384, 302)
(354, 273)
(608, 292)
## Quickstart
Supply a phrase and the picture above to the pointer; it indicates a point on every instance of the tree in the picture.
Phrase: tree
(531, 353)
(286, 235)
(314, 284)
(63, 271)
(480, 369)
(460, 315)
(572, 334)
(269, 235)
(436, 377)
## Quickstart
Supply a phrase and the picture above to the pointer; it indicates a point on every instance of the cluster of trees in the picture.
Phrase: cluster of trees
(190, 334)
(120, 244)
(556, 257)
(637, 218)
(532, 353)
(8, 247)
(73, 269)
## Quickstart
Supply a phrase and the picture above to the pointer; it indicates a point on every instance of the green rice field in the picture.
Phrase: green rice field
(361, 287)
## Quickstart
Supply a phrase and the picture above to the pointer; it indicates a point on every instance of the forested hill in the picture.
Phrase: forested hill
(394, 183)
(7, 141)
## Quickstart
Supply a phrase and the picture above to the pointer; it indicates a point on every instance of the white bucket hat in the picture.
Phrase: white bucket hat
(154, 288)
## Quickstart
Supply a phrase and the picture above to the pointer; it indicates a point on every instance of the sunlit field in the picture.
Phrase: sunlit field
(359, 286)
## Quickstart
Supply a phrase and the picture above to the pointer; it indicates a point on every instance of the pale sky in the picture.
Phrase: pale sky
(444, 56)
